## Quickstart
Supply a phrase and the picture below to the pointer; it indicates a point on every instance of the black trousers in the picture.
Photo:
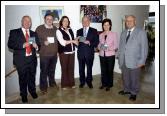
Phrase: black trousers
(107, 67)
(27, 73)
(47, 67)
(89, 63)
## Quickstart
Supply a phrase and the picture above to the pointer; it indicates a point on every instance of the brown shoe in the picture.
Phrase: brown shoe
(44, 92)
(73, 87)
(101, 87)
(64, 88)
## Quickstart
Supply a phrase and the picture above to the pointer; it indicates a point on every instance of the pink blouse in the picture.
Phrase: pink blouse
(111, 41)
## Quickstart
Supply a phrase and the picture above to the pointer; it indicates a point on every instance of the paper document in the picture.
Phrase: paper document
(50, 39)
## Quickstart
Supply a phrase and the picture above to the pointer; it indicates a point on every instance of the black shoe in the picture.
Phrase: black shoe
(90, 85)
(34, 95)
(101, 87)
(132, 97)
(24, 99)
(81, 85)
(123, 93)
(53, 84)
(108, 89)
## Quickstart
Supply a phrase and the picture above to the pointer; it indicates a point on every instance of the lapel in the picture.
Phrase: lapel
(89, 32)
(81, 32)
(124, 37)
(31, 34)
(133, 34)
(22, 35)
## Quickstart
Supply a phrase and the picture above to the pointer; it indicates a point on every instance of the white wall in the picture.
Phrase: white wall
(13, 15)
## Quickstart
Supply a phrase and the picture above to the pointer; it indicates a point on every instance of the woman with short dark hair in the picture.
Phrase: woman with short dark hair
(107, 46)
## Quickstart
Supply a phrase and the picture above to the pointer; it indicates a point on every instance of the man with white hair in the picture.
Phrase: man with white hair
(25, 43)
(132, 54)
(86, 47)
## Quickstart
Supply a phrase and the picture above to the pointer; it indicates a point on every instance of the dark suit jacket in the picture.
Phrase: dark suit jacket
(85, 50)
(16, 41)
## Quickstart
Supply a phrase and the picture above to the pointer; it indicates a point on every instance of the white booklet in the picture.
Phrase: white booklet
(50, 39)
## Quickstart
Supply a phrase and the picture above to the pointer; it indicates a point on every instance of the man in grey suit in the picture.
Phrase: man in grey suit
(132, 54)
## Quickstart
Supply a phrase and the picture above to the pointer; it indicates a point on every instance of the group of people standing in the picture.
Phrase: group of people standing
(51, 41)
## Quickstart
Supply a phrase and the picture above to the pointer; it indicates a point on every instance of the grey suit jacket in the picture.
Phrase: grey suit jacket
(134, 52)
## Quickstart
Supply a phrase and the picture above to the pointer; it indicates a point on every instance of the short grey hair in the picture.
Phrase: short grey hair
(25, 16)
(85, 17)
(126, 16)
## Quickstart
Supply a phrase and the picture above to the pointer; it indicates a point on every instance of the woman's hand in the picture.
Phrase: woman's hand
(75, 42)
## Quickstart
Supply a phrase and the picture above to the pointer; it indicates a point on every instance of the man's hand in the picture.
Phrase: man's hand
(26, 44)
(140, 66)
(35, 45)
(75, 42)
(46, 43)
(77, 38)
(87, 42)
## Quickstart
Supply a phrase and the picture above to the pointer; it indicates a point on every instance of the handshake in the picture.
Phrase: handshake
(81, 38)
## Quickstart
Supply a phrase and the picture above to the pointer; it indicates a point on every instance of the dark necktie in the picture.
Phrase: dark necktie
(128, 36)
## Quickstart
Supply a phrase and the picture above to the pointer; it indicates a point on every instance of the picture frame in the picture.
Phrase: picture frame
(96, 13)
(56, 11)
(123, 24)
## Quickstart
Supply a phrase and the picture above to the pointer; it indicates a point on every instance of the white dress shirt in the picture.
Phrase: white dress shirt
(87, 29)
(131, 30)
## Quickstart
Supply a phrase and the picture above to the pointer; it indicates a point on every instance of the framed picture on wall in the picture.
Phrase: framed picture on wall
(56, 11)
(123, 24)
(96, 13)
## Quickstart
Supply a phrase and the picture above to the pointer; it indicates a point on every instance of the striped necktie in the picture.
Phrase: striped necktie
(84, 32)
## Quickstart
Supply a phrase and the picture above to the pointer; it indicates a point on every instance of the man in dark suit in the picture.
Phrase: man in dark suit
(86, 51)
(24, 56)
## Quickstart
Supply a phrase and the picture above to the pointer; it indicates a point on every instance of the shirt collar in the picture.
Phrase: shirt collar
(87, 28)
(24, 30)
(46, 26)
(131, 29)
